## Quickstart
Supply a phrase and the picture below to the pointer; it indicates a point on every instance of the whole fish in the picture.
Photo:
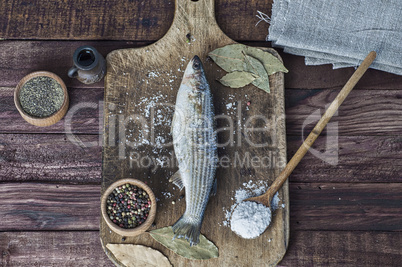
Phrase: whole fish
(194, 141)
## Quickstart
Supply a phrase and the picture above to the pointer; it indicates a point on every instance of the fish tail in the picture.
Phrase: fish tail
(189, 228)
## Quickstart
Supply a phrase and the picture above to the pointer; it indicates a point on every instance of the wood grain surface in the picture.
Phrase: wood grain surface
(365, 112)
(56, 181)
(306, 248)
(138, 76)
(58, 58)
(43, 158)
(314, 206)
(114, 19)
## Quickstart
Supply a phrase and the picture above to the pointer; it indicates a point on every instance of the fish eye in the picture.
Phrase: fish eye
(196, 65)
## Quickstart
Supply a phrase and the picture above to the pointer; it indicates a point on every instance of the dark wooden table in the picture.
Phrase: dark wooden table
(346, 214)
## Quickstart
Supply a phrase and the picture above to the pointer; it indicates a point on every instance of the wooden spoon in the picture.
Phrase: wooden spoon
(266, 198)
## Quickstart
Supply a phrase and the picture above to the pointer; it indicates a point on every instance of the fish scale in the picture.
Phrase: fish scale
(195, 147)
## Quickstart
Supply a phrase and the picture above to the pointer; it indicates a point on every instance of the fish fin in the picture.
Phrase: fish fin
(214, 188)
(177, 180)
(189, 228)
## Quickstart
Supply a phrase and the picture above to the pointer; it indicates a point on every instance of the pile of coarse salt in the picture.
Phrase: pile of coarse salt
(250, 219)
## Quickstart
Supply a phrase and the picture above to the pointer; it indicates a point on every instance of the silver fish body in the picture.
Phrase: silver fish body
(195, 146)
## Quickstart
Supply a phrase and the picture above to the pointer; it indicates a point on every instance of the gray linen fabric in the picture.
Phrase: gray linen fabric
(340, 32)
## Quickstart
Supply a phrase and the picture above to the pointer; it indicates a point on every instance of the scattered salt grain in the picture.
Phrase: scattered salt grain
(250, 219)
(153, 74)
(167, 195)
(275, 201)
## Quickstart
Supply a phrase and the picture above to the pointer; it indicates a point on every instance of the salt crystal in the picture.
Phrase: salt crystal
(153, 74)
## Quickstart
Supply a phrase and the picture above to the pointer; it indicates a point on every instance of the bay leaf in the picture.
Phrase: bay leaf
(255, 66)
(205, 249)
(238, 79)
(230, 57)
(130, 255)
(271, 63)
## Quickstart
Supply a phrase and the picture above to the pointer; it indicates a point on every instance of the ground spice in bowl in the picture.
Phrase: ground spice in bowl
(128, 206)
(41, 96)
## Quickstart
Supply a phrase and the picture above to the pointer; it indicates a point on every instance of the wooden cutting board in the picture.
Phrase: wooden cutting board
(140, 91)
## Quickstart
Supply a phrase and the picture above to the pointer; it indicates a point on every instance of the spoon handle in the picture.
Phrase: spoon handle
(277, 184)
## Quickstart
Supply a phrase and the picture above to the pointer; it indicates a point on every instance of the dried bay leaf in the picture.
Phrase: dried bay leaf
(230, 57)
(137, 255)
(252, 64)
(237, 79)
(271, 63)
(202, 251)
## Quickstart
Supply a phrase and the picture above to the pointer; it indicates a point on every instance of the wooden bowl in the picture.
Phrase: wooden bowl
(132, 231)
(46, 121)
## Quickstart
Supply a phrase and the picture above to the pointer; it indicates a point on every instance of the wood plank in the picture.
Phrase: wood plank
(118, 20)
(313, 206)
(63, 248)
(242, 26)
(364, 112)
(352, 159)
(301, 76)
(346, 206)
(85, 19)
(31, 206)
(50, 158)
(347, 249)
(56, 56)
(306, 248)
(55, 158)
(83, 116)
